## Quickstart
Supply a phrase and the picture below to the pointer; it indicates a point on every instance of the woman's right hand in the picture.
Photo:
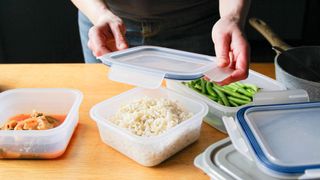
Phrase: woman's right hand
(107, 35)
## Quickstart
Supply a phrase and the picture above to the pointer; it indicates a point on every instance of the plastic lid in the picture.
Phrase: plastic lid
(235, 164)
(285, 137)
(147, 66)
(222, 161)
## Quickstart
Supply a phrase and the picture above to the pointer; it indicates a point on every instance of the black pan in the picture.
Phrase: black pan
(296, 67)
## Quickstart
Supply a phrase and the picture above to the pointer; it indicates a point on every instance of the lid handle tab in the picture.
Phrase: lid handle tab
(217, 74)
(281, 97)
(235, 136)
(311, 174)
(145, 79)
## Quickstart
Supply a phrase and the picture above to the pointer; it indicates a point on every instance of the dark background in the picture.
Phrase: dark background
(43, 31)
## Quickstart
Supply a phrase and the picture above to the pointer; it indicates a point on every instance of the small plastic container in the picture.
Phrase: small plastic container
(216, 111)
(148, 151)
(282, 139)
(38, 144)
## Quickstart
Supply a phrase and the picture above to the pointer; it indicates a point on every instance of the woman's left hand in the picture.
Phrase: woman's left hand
(231, 47)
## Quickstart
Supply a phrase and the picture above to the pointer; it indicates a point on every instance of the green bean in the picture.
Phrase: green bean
(239, 84)
(198, 87)
(203, 86)
(220, 101)
(251, 91)
(231, 88)
(247, 86)
(244, 86)
(212, 98)
(234, 85)
(192, 87)
(240, 90)
(221, 95)
(192, 83)
(210, 90)
(251, 86)
(245, 92)
(233, 103)
(198, 81)
(232, 93)
(238, 101)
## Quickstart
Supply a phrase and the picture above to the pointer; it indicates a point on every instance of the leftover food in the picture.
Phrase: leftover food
(150, 116)
(34, 121)
(233, 95)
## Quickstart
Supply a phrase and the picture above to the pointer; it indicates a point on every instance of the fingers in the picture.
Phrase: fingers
(236, 75)
(242, 58)
(241, 66)
(98, 41)
(222, 47)
(118, 31)
(239, 57)
(107, 36)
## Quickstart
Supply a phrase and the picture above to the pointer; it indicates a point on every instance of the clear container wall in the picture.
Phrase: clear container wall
(148, 151)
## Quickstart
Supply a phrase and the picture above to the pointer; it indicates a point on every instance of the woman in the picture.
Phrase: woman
(107, 26)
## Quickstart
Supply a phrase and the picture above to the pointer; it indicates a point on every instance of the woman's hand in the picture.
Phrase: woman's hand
(107, 35)
(232, 48)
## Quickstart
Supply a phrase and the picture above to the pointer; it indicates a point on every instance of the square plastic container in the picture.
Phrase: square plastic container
(216, 111)
(148, 151)
(282, 139)
(38, 144)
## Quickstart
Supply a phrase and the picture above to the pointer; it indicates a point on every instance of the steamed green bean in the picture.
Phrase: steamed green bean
(234, 94)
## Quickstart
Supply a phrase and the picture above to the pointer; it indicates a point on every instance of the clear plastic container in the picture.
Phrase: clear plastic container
(281, 139)
(216, 111)
(38, 144)
(148, 151)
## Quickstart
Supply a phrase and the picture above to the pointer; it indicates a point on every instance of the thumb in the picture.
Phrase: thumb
(222, 48)
(119, 37)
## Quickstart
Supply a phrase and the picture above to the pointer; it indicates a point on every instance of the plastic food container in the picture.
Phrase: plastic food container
(216, 111)
(222, 161)
(148, 151)
(282, 140)
(34, 144)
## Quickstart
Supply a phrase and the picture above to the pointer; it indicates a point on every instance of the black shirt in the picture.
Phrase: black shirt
(163, 9)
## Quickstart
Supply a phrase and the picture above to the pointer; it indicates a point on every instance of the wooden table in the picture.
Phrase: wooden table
(87, 157)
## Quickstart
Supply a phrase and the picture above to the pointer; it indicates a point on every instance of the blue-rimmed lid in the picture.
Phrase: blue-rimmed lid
(284, 138)
(147, 66)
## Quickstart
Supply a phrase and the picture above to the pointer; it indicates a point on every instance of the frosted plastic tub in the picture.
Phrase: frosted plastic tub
(216, 111)
(38, 144)
(148, 151)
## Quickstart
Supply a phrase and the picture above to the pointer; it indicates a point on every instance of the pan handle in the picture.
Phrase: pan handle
(268, 33)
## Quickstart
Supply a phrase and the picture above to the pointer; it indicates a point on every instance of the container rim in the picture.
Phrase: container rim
(205, 160)
(109, 59)
(74, 108)
(232, 109)
(257, 149)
